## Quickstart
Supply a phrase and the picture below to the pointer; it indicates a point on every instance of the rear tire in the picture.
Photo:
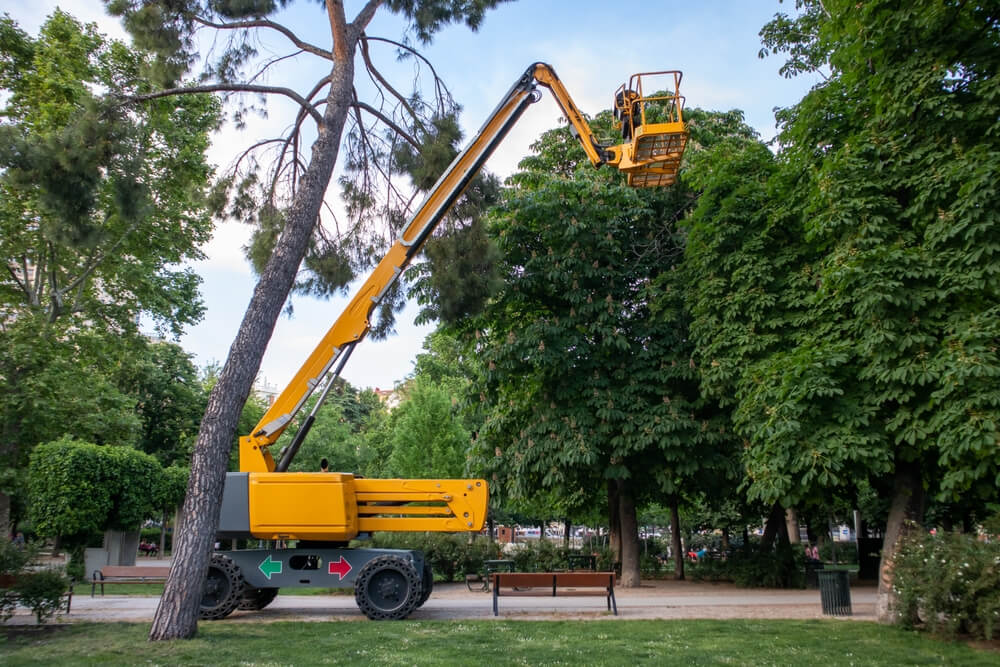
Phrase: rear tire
(427, 584)
(387, 588)
(222, 589)
(255, 599)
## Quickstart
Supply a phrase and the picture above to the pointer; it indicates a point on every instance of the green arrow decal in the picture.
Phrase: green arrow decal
(269, 567)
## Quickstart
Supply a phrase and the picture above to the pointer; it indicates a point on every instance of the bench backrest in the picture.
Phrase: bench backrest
(522, 579)
(134, 571)
(586, 579)
(531, 579)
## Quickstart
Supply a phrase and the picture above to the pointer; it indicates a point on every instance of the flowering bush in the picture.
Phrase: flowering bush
(950, 584)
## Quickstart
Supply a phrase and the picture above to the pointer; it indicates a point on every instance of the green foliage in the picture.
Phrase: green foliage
(56, 380)
(103, 206)
(950, 584)
(750, 568)
(427, 439)
(340, 433)
(42, 592)
(169, 399)
(589, 366)
(451, 555)
(844, 295)
(172, 489)
(77, 489)
(39, 589)
(14, 558)
(429, 16)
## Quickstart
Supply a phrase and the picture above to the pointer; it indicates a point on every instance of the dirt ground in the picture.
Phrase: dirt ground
(454, 601)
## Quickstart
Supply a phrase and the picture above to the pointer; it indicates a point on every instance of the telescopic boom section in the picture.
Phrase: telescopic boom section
(354, 322)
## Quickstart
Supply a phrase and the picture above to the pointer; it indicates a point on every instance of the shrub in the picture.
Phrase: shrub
(782, 568)
(450, 555)
(949, 584)
(42, 592)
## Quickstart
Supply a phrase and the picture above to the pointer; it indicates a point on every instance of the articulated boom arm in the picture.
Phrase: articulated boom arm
(654, 162)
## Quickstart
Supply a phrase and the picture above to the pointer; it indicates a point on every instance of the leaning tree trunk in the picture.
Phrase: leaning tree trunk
(905, 513)
(177, 614)
(629, 525)
(675, 540)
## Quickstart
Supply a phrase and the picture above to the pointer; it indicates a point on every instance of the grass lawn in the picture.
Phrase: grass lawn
(800, 643)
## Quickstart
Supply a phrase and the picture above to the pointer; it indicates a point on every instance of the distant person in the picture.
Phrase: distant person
(19, 540)
(324, 465)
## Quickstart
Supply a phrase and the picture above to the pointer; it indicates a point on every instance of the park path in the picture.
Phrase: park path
(653, 600)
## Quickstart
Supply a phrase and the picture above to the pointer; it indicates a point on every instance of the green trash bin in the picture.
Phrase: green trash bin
(835, 592)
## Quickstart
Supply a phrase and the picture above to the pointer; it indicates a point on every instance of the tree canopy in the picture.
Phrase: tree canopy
(860, 337)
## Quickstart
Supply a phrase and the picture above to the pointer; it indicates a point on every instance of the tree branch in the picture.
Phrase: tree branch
(95, 261)
(265, 23)
(365, 17)
(388, 121)
(378, 76)
(338, 30)
(438, 83)
(22, 285)
(233, 88)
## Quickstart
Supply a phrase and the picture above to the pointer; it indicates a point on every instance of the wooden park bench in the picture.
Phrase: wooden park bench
(552, 584)
(127, 574)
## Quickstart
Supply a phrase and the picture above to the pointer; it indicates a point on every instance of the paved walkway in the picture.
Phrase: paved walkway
(653, 600)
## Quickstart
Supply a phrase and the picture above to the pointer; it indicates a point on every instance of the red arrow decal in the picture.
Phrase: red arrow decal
(340, 568)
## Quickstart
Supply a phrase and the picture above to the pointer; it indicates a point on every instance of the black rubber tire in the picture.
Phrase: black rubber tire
(255, 599)
(427, 584)
(223, 589)
(388, 588)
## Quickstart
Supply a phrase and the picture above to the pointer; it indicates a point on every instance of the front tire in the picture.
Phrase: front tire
(223, 589)
(388, 588)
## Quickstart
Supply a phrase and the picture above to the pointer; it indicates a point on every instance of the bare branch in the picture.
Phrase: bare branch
(381, 79)
(438, 82)
(265, 23)
(388, 121)
(274, 61)
(233, 88)
(22, 285)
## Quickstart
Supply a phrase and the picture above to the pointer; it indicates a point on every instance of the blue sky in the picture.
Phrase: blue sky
(594, 45)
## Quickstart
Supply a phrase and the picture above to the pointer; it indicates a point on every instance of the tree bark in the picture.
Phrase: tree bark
(629, 525)
(177, 614)
(774, 528)
(792, 525)
(4, 516)
(614, 521)
(163, 536)
(675, 541)
(905, 514)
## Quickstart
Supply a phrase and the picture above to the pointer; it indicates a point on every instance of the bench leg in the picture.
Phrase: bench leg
(611, 601)
(495, 596)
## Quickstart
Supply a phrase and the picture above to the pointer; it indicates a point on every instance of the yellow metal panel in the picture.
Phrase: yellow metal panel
(303, 505)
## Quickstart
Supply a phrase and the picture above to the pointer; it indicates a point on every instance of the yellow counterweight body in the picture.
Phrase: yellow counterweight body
(339, 506)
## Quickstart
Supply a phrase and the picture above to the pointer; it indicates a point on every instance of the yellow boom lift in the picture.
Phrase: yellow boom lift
(322, 512)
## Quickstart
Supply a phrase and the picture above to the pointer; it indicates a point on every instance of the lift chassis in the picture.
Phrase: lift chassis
(321, 513)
